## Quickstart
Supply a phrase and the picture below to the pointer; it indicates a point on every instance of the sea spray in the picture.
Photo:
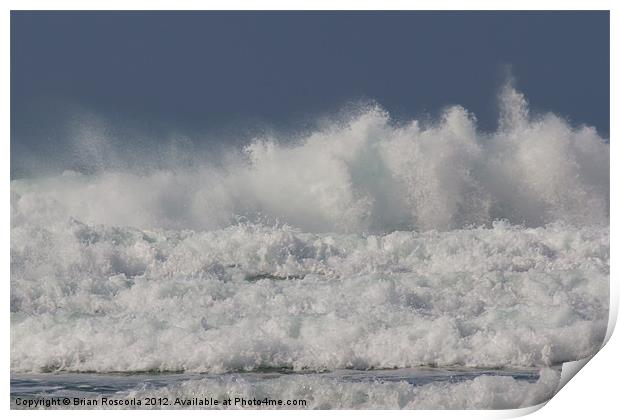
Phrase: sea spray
(366, 244)
(364, 174)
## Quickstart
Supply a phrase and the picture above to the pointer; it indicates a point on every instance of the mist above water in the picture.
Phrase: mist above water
(363, 173)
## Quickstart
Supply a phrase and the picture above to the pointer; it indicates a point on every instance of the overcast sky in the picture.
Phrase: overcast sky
(193, 71)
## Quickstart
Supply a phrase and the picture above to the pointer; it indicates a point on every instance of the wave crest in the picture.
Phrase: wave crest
(366, 174)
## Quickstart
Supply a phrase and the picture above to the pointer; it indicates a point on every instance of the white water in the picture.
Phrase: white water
(221, 300)
(483, 392)
(364, 174)
(367, 244)
(376, 389)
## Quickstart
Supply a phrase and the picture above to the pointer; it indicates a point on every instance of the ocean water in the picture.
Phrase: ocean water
(421, 388)
(369, 264)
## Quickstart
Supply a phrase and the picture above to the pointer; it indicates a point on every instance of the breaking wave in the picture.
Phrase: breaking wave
(367, 244)
(362, 175)
(339, 390)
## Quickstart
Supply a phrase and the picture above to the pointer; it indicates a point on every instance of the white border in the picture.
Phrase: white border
(592, 393)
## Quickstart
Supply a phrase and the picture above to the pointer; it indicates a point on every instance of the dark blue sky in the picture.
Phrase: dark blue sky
(194, 71)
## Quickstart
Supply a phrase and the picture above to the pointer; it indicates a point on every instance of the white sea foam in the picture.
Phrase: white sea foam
(399, 389)
(483, 392)
(364, 174)
(251, 296)
(352, 247)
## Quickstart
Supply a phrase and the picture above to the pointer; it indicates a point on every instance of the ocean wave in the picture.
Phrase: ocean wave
(366, 173)
(482, 392)
(367, 244)
(250, 296)
(334, 390)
